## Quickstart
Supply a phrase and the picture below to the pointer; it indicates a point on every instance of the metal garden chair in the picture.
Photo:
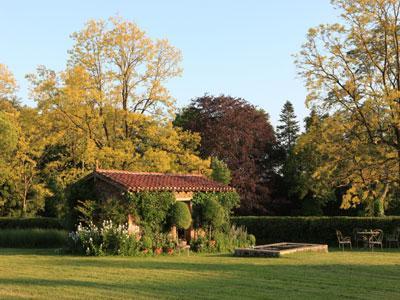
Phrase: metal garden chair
(376, 239)
(343, 240)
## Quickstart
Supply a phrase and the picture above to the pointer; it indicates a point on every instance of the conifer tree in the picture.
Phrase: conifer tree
(287, 133)
(288, 130)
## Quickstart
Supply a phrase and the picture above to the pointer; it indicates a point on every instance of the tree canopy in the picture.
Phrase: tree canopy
(241, 135)
(110, 107)
(352, 73)
(288, 128)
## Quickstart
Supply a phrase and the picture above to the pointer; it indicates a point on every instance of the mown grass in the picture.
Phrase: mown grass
(45, 274)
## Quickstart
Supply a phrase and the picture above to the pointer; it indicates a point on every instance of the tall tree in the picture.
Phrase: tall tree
(287, 181)
(8, 85)
(288, 129)
(112, 105)
(29, 187)
(239, 134)
(123, 66)
(312, 195)
(8, 135)
(21, 144)
(352, 72)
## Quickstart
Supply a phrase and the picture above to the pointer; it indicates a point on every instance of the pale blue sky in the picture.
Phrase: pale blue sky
(240, 48)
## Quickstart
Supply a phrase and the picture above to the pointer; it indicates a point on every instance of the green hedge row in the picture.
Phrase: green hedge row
(33, 238)
(310, 229)
(26, 223)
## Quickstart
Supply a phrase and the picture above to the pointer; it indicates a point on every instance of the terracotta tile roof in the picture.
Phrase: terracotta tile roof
(141, 181)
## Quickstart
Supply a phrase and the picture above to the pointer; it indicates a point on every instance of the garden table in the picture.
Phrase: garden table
(367, 235)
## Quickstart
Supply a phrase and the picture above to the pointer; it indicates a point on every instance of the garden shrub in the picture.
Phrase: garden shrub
(30, 223)
(180, 215)
(147, 243)
(311, 229)
(228, 201)
(107, 239)
(220, 241)
(151, 209)
(212, 213)
(32, 238)
(114, 239)
(201, 244)
(208, 212)
(236, 237)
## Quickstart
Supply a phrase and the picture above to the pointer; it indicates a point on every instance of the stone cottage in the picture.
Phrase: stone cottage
(115, 183)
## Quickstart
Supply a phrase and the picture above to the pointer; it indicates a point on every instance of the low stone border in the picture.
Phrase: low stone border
(279, 249)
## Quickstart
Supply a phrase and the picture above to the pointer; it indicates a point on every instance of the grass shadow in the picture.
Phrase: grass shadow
(232, 281)
(31, 251)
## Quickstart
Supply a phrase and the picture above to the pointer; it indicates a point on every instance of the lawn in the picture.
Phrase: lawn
(45, 274)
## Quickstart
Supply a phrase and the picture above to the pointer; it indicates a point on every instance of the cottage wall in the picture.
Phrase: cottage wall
(105, 190)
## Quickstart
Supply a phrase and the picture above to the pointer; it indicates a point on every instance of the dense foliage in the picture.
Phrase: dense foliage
(239, 134)
(352, 73)
(33, 238)
(311, 229)
(286, 181)
(109, 105)
(30, 223)
(212, 214)
(105, 239)
(152, 209)
(211, 219)
(223, 241)
(288, 129)
(180, 215)
(220, 171)
(205, 204)
(158, 215)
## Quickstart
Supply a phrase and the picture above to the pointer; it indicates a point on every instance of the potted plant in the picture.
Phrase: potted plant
(169, 247)
(158, 244)
(147, 244)
(198, 244)
(212, 243)
(158, 250)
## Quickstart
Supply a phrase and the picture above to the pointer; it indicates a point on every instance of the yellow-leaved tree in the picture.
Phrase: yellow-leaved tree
(21, 145)
(111, 105)
(8, 85)
(352, 72)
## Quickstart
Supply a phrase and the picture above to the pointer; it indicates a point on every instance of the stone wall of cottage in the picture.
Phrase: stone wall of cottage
(105, 190)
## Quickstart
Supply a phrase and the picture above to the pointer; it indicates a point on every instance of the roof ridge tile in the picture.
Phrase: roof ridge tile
(139, 181)
(148, 173)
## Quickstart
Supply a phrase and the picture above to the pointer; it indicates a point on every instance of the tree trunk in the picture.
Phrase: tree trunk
(23, 211)
(380, 203)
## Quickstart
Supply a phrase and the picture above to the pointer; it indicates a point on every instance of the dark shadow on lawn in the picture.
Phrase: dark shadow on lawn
(365, 250)
(236, 264)
(240, 281)
(30, 251)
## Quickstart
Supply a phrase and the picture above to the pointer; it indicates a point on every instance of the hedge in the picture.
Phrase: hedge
(26, 223)
(33, 238)
(310, 229)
